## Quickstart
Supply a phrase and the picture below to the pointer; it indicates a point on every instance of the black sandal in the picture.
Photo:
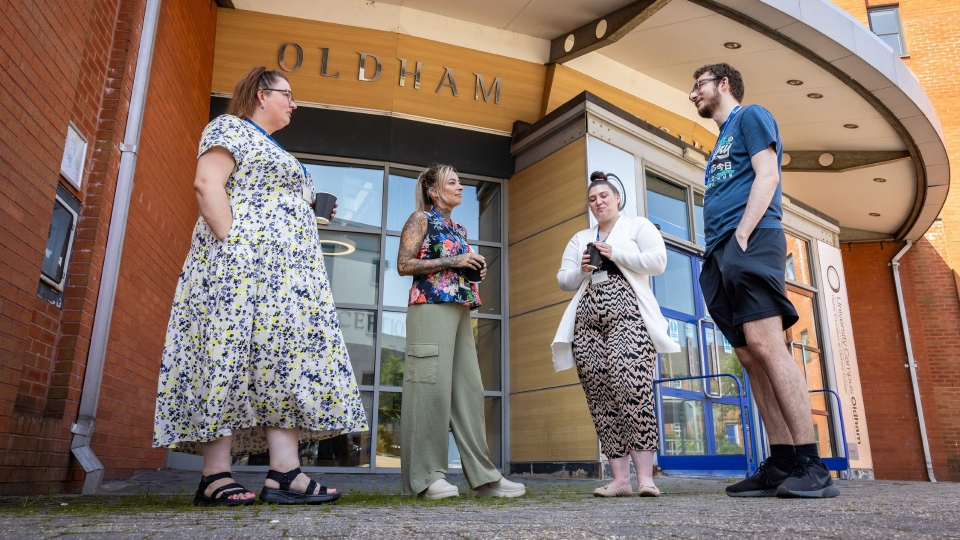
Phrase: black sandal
(221, 495)
(285, 496)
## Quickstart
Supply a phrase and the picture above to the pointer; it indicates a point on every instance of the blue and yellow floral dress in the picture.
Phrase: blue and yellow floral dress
(444, 239)
(253, 338)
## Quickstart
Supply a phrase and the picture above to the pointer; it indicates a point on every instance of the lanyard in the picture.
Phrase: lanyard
(608, 234)
(460, 240)
(274, 141)
(723, 129)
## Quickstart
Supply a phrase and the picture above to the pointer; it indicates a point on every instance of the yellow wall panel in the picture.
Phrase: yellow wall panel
(246, 39)
(567, 83)
(531, 364)
(534, 263)
(552, 425)
(548, 192)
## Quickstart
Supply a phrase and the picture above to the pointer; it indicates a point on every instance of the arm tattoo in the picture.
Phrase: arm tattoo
(411, 238)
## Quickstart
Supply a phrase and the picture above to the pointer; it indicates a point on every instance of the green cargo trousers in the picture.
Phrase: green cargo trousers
(441, 390)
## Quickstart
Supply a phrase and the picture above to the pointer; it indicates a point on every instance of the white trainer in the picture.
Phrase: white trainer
(500, 488)
(441, 489)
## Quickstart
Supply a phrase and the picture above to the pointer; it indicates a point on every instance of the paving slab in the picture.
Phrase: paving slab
(158, 505)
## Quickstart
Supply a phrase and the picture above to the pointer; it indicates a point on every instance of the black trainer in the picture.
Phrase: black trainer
(810, 479)
(763, 483)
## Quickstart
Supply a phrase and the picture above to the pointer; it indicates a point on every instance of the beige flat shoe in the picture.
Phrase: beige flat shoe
(607, 491)
(648, 491)
(441, 489)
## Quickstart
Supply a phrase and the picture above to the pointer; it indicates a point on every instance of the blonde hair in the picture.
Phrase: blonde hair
(432, 179)
(244, 99)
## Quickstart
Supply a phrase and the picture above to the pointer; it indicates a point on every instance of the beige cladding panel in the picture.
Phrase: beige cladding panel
(552, 425)
(246, 39)
(531, 363)
(549, 192)
(534, 263)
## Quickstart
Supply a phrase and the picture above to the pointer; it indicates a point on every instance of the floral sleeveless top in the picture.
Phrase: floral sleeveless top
(444, 239)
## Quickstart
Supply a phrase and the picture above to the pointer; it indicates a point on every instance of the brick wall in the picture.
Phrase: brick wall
(163, 212)
(63, 62)
(930, 270)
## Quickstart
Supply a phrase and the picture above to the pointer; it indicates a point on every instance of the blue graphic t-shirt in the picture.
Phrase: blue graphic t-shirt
(730, 175)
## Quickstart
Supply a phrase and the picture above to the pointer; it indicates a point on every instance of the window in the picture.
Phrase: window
(667, 206)
(885, 23)
(56, 257)
(360, 254)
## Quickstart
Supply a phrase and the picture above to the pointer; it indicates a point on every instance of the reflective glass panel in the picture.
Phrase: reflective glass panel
(393, 348)
(729, 364)
(698, 218)
(684, 432)
(884, 21)
(798, 260)
(674, 287)
(727, 429)
(667, 206)
(479, 210)
(352, 262)
(347, 450)
(396, 288)
(685, 363)
(805, 329)
(388, 430)
(486, 333)
(359, 192)
(359, 329)
(490, 286)
(491, 416)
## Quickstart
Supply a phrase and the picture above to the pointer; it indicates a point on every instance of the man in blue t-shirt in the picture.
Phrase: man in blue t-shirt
(743, 282)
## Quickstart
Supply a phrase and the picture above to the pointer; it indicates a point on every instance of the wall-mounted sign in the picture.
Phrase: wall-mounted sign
(74, 155)
(845, 368)
(369, 62)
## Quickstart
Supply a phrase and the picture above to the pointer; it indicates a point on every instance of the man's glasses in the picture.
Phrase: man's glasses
(288, 93)
(700, 82)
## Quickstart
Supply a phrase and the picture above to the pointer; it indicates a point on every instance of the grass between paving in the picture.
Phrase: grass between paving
(150, 502)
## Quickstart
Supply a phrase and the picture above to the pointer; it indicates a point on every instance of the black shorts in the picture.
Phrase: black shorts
(740, 287)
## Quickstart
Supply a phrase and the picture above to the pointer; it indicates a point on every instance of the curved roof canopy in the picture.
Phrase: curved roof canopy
(887, 174)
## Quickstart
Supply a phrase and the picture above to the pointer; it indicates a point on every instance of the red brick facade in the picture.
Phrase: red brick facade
(929, 273)
(63, 62)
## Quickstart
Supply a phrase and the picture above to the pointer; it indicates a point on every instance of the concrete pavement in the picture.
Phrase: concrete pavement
(158, 505)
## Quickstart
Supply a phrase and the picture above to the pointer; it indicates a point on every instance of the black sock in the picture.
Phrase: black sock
(782, 456)
(809, 451)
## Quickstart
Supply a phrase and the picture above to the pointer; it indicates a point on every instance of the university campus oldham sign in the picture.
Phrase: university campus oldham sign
(369, 68)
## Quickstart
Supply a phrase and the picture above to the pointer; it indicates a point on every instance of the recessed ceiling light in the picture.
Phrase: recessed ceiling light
(732, 45)
(794, 82)
(336, 248)
(874, 214)
(880, 180)
(814, 95)
(851, 126)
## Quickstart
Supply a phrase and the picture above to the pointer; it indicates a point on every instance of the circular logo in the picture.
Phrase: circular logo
(615, 180)
(833, 279)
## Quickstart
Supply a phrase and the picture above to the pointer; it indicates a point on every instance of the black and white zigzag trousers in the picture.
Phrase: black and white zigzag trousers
(615, 361)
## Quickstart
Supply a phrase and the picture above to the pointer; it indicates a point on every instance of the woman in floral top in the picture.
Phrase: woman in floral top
(441, 381)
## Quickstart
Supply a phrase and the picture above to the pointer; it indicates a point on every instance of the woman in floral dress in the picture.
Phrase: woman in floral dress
(254, 359)
(441, 377)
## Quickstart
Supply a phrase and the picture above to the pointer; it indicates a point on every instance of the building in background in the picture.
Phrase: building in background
(525, 99)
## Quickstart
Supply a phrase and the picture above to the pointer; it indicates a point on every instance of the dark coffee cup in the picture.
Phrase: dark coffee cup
(472, 274)
(594, 254)
(323, 207)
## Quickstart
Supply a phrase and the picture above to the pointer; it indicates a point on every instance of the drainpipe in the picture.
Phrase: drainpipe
(83, 428)
(895, 263)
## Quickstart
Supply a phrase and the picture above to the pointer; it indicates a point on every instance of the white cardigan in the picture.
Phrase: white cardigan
(639, 252)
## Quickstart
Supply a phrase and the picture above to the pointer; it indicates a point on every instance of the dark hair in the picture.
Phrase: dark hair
(429, 180)
(244, 98)
(724, 70)
(598, 178)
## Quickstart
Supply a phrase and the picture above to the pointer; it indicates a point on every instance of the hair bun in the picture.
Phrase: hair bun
(598, 176)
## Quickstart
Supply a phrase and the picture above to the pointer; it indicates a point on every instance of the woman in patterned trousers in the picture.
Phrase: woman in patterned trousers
(612, 330)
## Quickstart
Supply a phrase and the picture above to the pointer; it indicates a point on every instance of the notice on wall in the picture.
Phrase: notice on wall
(846, 372)
(619, 167)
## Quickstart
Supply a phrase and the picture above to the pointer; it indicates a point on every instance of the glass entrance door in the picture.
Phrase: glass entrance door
(701, 427)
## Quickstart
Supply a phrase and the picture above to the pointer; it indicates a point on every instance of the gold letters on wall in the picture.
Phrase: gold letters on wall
(370, 69)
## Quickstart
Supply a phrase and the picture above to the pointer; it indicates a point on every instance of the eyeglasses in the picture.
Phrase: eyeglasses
(289, 93)
(700, 82)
